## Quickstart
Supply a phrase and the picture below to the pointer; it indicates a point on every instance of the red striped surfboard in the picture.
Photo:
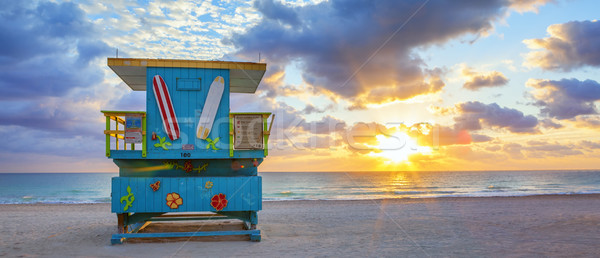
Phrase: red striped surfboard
(167, 112)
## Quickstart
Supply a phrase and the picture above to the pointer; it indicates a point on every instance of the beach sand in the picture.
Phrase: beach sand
(567, 225)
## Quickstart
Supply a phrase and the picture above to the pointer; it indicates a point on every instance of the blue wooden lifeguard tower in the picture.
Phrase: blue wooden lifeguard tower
(169, 163)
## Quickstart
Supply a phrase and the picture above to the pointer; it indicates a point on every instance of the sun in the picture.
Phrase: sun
(397, 147)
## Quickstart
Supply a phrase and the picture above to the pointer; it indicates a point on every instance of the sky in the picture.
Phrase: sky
(354, 85)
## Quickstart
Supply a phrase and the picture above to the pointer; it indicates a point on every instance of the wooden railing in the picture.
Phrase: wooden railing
(119, 118)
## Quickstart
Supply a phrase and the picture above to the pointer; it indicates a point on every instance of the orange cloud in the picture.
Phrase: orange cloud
(522, 6)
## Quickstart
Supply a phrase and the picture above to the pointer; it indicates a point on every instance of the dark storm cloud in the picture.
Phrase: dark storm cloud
(566, 98)
(46, 49)
(277, 12)
(473, 114)
(570, 45)
(363, 50)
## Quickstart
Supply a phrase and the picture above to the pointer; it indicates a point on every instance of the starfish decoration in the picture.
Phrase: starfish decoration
(163, 143)
(211, 143)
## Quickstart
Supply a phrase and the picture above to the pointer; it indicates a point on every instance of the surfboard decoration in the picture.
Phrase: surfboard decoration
(210, 107)
(165, 106)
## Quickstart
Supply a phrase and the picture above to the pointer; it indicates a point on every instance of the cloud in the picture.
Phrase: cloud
(360, 137)
(538, 149)
(570, 45)
(46, 50)
(180, 29)
(528, 5)
(277, 12)
(480, 138)
(364, 51)
(309, 109)
(52, 114)
(566, 98)
(473, 114)
(323, 142)
(587, 121)
(514, 150)
(326, 125)
(451, 136)
(544, 149)
(548, 123)
(493, 148)
(590, 144)
(476, 81)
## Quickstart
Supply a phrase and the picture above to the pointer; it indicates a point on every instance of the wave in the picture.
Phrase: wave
(53, 200)
(498, 187)
(76, 191)
(286, 193)
(424, 192)
(441, 194)
(402, 195)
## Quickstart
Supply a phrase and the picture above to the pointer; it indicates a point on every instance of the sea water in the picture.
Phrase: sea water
(95, 187)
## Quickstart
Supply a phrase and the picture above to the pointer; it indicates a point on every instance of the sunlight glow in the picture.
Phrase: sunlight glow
(398, 147)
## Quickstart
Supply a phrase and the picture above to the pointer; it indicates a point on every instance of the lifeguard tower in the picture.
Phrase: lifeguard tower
(187, 155)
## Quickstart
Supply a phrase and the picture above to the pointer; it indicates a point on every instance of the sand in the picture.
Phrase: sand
(567, 225)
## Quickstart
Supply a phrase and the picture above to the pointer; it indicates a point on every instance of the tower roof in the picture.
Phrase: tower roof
(244, 77)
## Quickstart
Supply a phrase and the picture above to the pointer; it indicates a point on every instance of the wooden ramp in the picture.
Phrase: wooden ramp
(177, 227)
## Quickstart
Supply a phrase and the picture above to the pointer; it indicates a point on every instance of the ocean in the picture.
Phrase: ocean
(95, 187)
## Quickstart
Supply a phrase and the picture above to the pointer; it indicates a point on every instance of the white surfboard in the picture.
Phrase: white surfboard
(210, 107)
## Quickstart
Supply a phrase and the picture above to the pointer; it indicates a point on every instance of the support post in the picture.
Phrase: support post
(230, 136)
(116, 135)
(144, 136)
(107, 136)
(265, 136)
(121, 222)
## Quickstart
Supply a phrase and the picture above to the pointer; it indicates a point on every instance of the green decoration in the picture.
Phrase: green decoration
(211, 143)
(127, 200)
(201, 168)
(163, 143)
(187, 166)
(170, 164)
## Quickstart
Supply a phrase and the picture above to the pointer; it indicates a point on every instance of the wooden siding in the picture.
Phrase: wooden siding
(242, 193)
(188, 105)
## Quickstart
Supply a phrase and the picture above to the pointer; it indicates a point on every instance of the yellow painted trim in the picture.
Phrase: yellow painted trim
(118, 119)
(118, 136)
(114, 131)
(186, 63)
